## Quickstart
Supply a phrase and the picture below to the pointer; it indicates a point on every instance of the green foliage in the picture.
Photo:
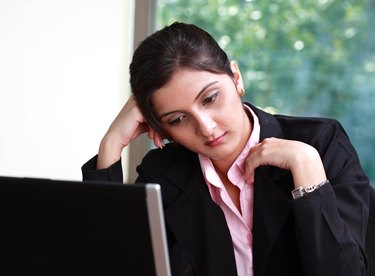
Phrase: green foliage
(300, 57)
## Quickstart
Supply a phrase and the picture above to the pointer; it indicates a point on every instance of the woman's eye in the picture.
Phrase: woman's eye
(176, 121)
(210, 99)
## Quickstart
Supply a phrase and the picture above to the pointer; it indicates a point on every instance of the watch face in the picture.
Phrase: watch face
(298, 192)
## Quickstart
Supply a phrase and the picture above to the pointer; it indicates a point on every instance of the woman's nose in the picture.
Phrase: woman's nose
(205, 125)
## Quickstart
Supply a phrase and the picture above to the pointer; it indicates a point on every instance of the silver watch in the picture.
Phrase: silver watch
(300, 191)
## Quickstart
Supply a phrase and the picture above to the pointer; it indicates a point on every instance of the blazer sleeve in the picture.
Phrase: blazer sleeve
(331, 222)
(112, 173)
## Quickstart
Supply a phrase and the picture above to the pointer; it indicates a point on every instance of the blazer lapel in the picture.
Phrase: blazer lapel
(271, 209)
(272, 188)
(197, 223)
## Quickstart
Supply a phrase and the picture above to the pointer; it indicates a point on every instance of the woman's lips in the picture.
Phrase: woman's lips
(216, 141)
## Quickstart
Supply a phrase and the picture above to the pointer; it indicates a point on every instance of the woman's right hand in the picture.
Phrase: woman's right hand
(127, 126)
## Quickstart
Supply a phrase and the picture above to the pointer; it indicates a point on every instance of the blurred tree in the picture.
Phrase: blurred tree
(300, 57)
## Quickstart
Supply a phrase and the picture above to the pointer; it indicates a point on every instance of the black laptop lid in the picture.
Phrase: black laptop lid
(73, 228)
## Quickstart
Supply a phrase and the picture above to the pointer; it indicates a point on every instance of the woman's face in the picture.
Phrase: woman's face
(203, 112)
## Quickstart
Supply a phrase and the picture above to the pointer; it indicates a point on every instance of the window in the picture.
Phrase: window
(312, 58)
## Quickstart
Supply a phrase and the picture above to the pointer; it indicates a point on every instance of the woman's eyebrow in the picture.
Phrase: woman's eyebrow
(204, 89)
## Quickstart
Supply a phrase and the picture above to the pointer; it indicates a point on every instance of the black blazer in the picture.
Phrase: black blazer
(321, 233)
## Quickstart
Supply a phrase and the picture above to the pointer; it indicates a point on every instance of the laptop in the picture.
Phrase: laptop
(55, 227)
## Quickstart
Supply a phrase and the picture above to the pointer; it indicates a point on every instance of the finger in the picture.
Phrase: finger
(249, 177)
(158, 141)
(150, 134)
(256, 158)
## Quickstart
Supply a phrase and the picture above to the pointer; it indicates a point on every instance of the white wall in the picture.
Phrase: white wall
(63, 78)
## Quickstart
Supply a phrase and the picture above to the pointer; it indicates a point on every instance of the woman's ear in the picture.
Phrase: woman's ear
(237, 78)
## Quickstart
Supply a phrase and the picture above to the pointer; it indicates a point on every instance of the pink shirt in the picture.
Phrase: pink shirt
(240, 225)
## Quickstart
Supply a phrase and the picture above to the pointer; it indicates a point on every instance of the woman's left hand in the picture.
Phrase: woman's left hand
(301, 159)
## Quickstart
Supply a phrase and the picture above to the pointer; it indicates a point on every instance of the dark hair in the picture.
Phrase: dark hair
(159, 56)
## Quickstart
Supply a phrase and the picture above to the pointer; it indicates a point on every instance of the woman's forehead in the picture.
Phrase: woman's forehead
(185, 83)
(192, 81)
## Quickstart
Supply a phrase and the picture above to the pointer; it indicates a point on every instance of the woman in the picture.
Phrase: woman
(244, 192)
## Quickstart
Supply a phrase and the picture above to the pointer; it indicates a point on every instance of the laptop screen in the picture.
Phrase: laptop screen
(51, 227)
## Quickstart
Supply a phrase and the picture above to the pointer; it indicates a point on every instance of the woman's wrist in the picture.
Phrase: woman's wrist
(109, 153)
(308, 169)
